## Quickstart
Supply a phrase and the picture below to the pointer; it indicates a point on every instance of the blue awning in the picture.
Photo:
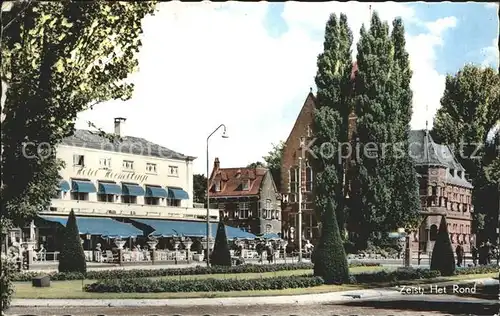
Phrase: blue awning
(161, 228)
(177, 194)
(109, 188)
(194, 229)
(156, 192)
(83, 186)
(64, 186)
(104, 226)
(132, 189)
(233, 232)
(271, 236)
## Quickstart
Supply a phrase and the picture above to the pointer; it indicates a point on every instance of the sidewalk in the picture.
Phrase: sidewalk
(227, 301)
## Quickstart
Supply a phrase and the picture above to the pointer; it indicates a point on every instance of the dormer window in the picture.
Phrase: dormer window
(459, 174)
(452, 172)
(245, 186)
(309, 131)
(217, 186)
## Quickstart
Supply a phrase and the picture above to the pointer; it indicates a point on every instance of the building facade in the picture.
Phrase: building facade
(128, 178)
(444, 190)
(246, 198)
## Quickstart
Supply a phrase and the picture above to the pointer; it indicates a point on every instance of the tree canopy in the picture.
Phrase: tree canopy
(58, 58)
(468, 118)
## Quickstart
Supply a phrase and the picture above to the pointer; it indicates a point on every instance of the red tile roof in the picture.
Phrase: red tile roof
(232, 179)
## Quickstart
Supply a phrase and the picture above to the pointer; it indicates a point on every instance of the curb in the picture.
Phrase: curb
(304, 299)
(226, 301)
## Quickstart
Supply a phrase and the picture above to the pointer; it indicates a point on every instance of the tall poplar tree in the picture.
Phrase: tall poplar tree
(406, 196)
(330, 117)
(376, 106)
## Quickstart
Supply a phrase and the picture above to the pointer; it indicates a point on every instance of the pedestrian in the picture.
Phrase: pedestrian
(474, 255)
(460, 254)
(483, 253)
(489, 252)
(270, 254)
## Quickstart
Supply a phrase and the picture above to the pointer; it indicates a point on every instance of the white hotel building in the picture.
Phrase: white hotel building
(129, 178)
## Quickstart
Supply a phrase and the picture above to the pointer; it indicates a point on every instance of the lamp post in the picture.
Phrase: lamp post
(224, 135)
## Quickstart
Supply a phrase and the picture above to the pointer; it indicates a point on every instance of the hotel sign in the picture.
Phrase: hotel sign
(102, 173)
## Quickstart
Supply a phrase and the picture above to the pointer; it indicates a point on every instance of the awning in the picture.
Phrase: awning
(177, 194)
(194, 229)
(132, 189)
(233, 232)
(161, 228)
(64, 186)
(109, 188)
(83, 186)
(271, 236)
(156, 192)
(104, 226)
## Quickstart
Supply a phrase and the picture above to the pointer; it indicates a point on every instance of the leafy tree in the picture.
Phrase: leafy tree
(221, 255)
(469, 113)
(443, 259)
(199, 188)
(406, 196)
(330, 261)
(257, 164)
(72, 256)
(384, 187)
(58, 58)
(333, 82)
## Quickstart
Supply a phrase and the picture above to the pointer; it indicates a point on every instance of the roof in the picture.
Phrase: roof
(233, 178)
(127, 144)
(425, 152)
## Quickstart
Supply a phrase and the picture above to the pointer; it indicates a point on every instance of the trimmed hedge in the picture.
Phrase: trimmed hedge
(477, 270)
(207, 285)
(198, 270)
(129, 285)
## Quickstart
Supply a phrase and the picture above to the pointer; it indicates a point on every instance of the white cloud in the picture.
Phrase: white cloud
(203, 64)
(490, 54)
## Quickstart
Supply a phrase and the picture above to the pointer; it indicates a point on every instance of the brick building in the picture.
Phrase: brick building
(246, 198)
(444, 189)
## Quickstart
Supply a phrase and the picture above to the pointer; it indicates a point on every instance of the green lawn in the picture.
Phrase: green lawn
(73, 289)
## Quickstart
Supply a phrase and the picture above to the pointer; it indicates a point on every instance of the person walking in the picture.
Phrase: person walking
(460, 254)
(474, 255)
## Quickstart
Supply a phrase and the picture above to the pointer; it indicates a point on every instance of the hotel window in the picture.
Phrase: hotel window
(268, 204)
(79, 160)
(264, 214)
(151, 168)
(104, 163)
(173, 171)
(105, 197)
(269, 227)
(309, 178)
(151, 200)
(243, 210)
(128, 165)
(173, 202)
(129, 199)
(245, 185)
(79, 196)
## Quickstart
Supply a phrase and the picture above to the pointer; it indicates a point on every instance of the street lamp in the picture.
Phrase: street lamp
(224, 135)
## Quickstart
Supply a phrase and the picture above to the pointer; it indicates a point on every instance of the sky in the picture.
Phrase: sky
(250, 66)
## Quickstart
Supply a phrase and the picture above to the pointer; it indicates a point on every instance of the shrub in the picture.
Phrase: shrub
(206, 285)
(330, 261)
(477, 270)
(443, 259)
(221, 255)
(138, 273)
(398, 275)
(6, 286)
(72, 257)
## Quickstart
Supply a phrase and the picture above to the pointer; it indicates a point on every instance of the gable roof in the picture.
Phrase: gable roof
(128, 144)
(232, 180)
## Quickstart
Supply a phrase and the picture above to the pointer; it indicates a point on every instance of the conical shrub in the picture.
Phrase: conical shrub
(443, 259)
(72, 257)
(330, 261)
(221, 255)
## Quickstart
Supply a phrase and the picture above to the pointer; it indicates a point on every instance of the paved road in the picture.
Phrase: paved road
(402, 306)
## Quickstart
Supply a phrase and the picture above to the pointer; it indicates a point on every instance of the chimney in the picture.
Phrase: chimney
(216, 164)
(118, 125)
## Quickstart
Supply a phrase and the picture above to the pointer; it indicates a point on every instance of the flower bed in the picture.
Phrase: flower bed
(198, 270)
(206, 285)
